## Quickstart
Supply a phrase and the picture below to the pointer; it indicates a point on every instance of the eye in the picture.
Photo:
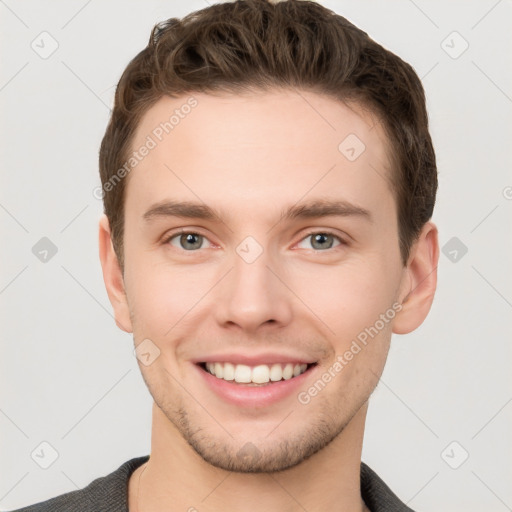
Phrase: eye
(320, 241)
(188, 241)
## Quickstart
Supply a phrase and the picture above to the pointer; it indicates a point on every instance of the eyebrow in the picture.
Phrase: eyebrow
(184, 209)
(326, 208)
(308, 210)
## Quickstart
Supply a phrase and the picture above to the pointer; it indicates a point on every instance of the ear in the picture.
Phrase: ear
(419, 281)
(113, 277)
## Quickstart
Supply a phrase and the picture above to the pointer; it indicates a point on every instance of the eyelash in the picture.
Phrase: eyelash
(342, 242)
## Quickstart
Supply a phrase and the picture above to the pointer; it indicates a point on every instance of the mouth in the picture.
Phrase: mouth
(259, 375)
(252, 381)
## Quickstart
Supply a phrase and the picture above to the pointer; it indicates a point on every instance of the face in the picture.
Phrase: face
(261, 245)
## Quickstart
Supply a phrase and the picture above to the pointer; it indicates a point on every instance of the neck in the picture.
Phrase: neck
(177, 478)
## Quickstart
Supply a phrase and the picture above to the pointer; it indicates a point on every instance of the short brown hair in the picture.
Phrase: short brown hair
(259, 45)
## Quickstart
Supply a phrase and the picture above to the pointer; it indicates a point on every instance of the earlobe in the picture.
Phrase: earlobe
(419, 281)
(113, 277)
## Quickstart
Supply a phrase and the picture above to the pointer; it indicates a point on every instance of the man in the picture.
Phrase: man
(268, 181)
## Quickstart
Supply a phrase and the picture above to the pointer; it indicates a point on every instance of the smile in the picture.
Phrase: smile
(255, 381)
(255, 375)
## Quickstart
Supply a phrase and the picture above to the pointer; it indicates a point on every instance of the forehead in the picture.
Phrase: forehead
(248, 146)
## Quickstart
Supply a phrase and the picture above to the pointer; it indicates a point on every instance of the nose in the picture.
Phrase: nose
(252, 297)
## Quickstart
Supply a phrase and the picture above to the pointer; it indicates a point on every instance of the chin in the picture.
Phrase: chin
(274, 453)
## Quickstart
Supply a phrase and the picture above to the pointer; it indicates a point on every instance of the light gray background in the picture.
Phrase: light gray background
(68, 375)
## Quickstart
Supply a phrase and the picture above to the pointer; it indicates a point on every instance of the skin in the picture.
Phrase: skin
(250, 157)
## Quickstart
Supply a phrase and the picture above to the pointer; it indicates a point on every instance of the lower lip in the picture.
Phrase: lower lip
(243, 395)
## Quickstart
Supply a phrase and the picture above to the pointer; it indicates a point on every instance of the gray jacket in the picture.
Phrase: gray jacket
(110, 493)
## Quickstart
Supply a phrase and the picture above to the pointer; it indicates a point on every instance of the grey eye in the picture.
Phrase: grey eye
(188, 241)
(319, 241)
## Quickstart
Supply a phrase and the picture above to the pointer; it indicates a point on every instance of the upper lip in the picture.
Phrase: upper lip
(254, 359)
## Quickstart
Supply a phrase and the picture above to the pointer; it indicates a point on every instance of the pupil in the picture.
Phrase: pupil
(320, 241)
(191, 241)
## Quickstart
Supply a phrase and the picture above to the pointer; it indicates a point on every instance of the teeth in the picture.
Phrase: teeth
(229, 372)
(288, 372)
(219, 370)
(261, 374)
(276, 372)
(242, 373)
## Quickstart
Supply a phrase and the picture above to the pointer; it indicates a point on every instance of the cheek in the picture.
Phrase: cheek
(163, 296)
(349, 301)
(347, 298)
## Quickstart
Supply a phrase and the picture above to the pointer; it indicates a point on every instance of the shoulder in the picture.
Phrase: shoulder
(107, 493)
(377, 495)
